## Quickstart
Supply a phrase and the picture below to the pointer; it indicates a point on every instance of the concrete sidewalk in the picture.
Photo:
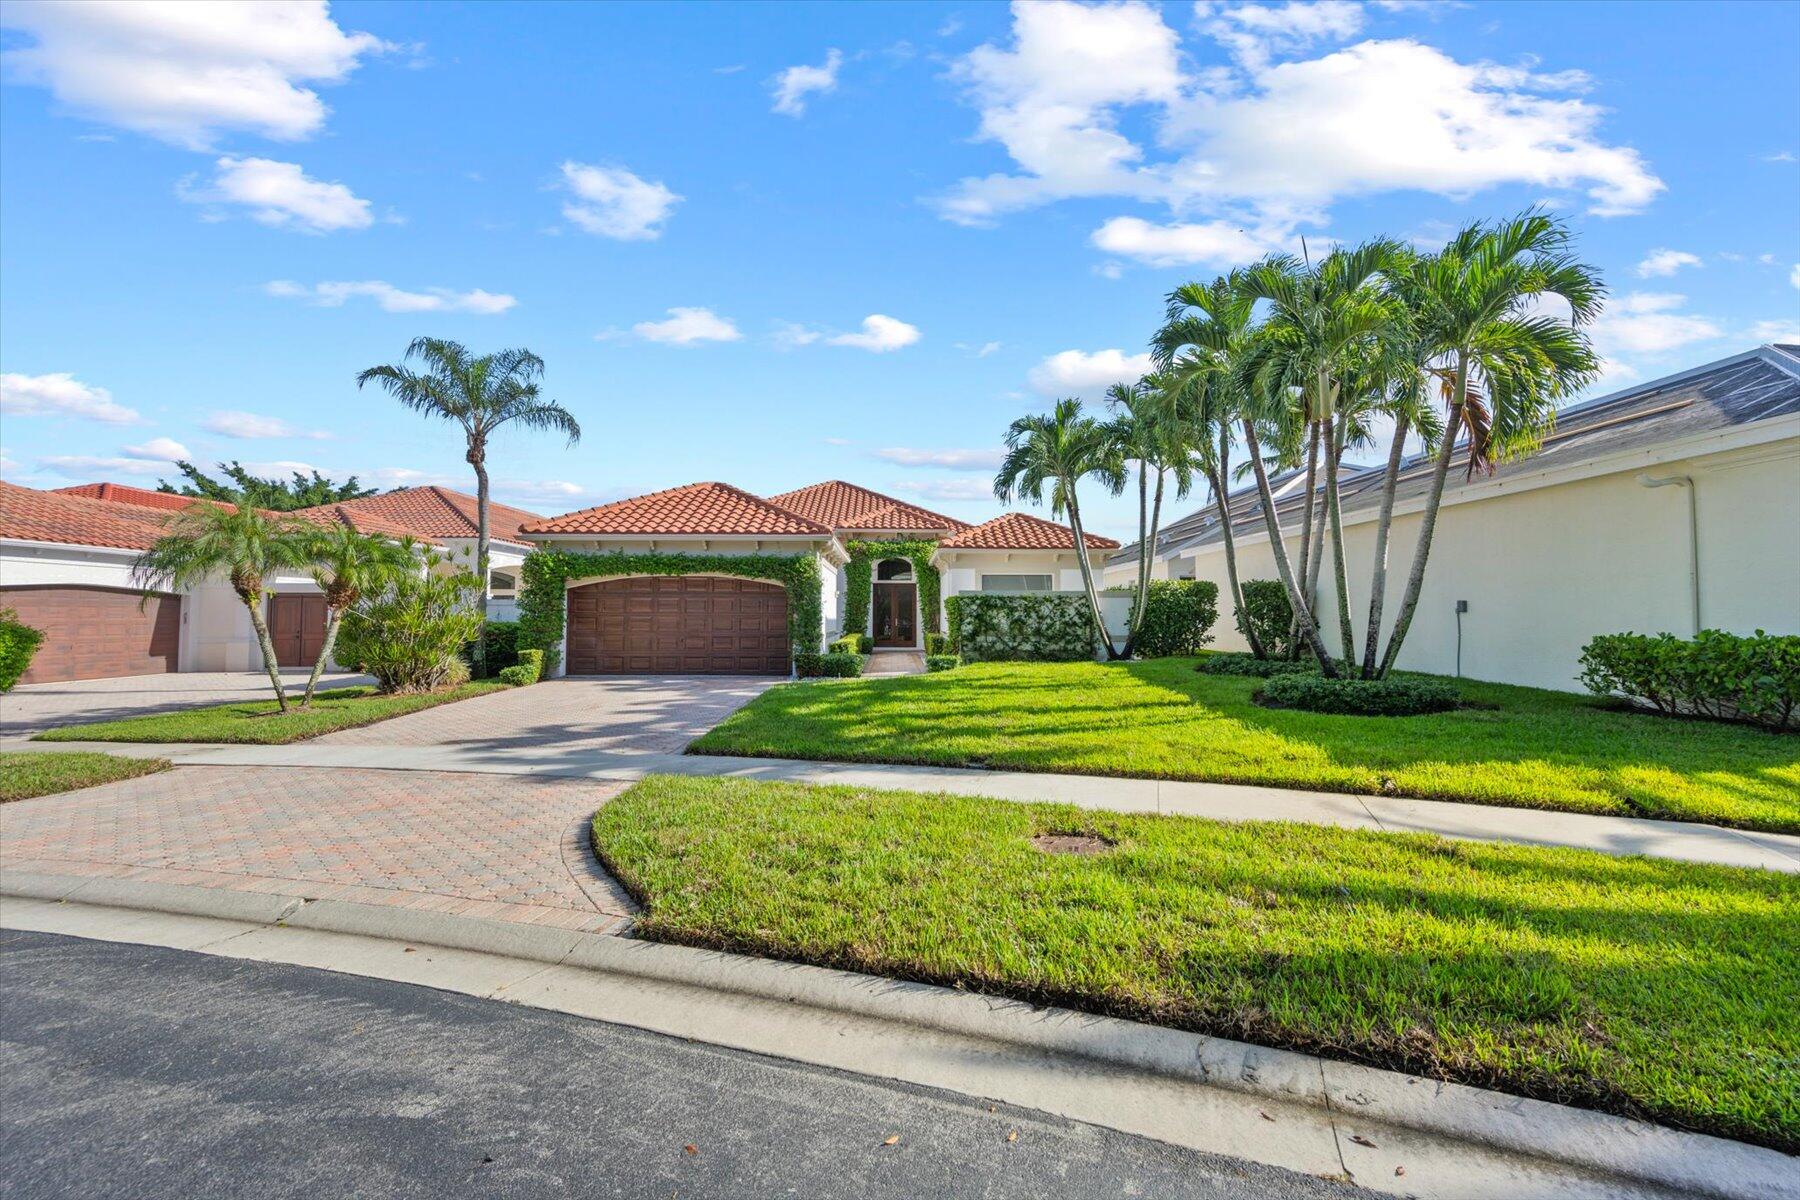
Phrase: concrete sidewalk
(1684, 841)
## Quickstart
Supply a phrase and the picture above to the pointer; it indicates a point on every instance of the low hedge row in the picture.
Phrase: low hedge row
(1178, 617)
(1027, 627)
(852, 643)
(1233, 662)
(937, 644)
(835, 665)
(1403, 697)
(941, 662)
(1715, 674)
(528, 670)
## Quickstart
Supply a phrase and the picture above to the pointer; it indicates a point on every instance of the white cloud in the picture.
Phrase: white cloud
(947, 489)
(790, 336)
(612, 202)
(791, 87)
(687, 327)
(1794, 275)
(540, 489)
(1786, 332)
(279, 194)
(1255, 32)
(1663, 261)
(1649, 323)
(60, 394)
(986, 349)
(235, 424)
(1078, 373)
(392, 299)
(157, 450)
(879, 334)
(955, 460)
(84, 466)
(281, 468)
(1218, 244)
(184, 72)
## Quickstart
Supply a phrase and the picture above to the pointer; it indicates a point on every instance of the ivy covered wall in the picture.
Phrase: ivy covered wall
(1027, 627)
(859, 580)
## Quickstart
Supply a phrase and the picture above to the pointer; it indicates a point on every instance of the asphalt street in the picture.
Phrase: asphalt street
(134, 1070)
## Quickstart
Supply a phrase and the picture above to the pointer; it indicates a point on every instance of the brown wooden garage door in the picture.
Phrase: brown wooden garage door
(97, 633)
(678, 625)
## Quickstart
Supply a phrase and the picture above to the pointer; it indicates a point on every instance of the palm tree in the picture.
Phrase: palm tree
(347, 566)
(206, 540)
(1152, 429)
(1056, 451)
(1503, 368)
(480, 394)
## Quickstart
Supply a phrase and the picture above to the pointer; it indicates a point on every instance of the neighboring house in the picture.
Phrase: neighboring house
(722, 623)
(1670, 506)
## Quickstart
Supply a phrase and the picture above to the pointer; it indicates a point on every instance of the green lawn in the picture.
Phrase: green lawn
(257, 720)
(1531, 748)
(28, 773)
(1639, 986)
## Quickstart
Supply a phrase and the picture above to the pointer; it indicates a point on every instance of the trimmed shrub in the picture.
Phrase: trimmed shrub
(410, 635)
(19, 642)
(953, 623)
(941, 662)
(853, 643)
(1717, 674)
(937, 644)
(1403, 697)
(835, 665)
(528, 670)
(1267, 612)
(1030, 627)
(501, 640)
(1231, 662)
(1178, 617)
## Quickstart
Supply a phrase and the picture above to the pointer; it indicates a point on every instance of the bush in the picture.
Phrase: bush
(501, 641)
(1266, 611)
(410, 635)
(941, 662)
(1178, 614)
(19, 642)
(1035, 627)
(1230, 662)
(937, 644)
(853, 643)
(1361, 697)
(1717, 674)
(528, 670)
(836, 665)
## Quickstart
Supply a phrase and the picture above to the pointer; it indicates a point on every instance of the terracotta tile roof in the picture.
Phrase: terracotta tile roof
(30, 515)
(697, 508)
(1020, 531)
(845, 506)
(362, 522)
(124, 493)
(425, 512)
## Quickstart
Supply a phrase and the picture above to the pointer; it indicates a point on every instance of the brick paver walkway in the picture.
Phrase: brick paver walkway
(498, 847)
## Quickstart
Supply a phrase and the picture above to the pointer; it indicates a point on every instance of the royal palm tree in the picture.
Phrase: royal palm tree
(347, 566)
(1502, 364)
(480, 393)
(1054, 451)
(1152, 428)
(206, 540)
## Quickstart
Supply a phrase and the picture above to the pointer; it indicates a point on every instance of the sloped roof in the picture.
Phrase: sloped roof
(362, 522)
(694, 509)
(423, 512)
(125, 493)
(1021, 531)
(34, 516)
(846, 506)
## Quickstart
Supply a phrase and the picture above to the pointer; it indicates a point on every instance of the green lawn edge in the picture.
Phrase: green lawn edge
(1641, 987)
(256, 722)
(28, 774)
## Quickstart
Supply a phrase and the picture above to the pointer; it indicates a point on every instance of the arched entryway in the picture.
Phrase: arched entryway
(678, 625)
(895, 614)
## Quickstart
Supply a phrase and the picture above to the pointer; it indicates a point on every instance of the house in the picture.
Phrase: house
(636, 611)
(65, 566)
(1673, 505)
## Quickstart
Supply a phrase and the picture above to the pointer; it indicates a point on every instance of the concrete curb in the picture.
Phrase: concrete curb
(1632, 1151)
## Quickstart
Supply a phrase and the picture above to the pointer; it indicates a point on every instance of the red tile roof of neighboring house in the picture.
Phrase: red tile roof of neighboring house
(697, 508)
(424, 512)
(1020, 531)
(33, 516)
(124, 493)
(362, 522)
(845, 506)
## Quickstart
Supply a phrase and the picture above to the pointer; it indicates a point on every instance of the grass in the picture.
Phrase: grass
(257, 721)
(1638, 986)
(28, 773)
(1524, 747)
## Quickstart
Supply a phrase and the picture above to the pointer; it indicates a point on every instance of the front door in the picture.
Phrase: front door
(896, 614)
(297, 627)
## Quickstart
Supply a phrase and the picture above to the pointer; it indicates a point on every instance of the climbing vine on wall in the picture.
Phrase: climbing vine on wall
(859, 580)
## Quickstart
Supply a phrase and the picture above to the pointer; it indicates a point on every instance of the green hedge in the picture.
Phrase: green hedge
(828, 666)
(1395, 697)
(937, 643)
(1031, 627)
(1716, 674)
(1231, 662)
(1267, 611)
(941, 662)
(19, 642)
(859, 580)
(852, 643)
(1178, 617)
(543, 611)
(529, 669)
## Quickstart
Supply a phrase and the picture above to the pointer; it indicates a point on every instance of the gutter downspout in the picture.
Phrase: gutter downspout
(1693, 506)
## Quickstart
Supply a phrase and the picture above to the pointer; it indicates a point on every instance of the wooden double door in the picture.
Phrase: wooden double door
(897, 614)
(297, 627)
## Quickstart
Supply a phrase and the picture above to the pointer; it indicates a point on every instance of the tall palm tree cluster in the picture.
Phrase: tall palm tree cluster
(1291, 363)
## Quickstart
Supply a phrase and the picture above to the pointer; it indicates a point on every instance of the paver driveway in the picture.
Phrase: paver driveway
(32, 707)
(492, 846)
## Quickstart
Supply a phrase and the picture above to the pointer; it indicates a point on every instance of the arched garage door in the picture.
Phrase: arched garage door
(678, 625)
(97, 633)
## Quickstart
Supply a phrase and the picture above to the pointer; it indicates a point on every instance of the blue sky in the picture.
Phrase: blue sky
(776, 244)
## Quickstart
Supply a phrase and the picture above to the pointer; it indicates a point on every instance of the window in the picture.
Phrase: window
(1015, 583)
(894, 570)
(501, 585)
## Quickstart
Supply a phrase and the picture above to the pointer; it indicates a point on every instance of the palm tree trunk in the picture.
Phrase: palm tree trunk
(478, 459)
(1383, 523)
(1303, 618)
(334, 618)
(1306, 523)
(1340, 573)
(1415, 579)
(1144, 552)
(253, 602)
(1223, 504)
(1087, 576)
